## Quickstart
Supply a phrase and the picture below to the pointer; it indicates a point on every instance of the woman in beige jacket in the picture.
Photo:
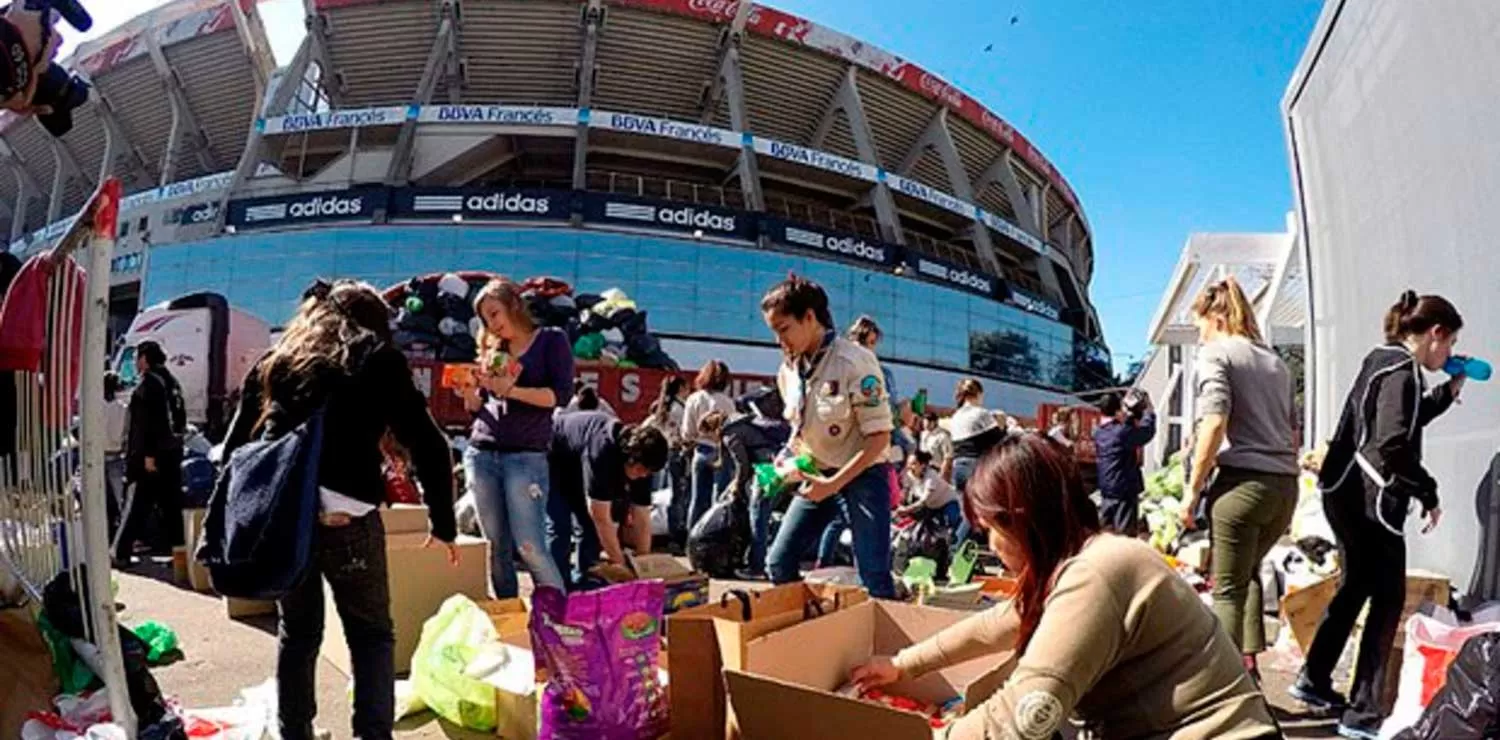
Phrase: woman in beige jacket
(1105, 629)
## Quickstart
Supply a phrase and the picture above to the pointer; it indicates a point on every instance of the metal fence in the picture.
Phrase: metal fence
(53, 515)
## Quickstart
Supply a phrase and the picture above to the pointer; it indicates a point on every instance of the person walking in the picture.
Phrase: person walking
(1101, 628)
(153, 453)
(338, 355)
(710, 393)
(1245, 434)
(525, 372)
(1117, 449)
(836, 403)
(974, 430)
(116, 417)
(1370, 475)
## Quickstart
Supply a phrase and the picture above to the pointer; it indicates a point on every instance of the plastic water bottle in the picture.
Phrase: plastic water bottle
(1472, 368)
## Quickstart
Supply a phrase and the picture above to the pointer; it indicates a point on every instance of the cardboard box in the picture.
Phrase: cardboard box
(686, 588)
(1303, 609)
(192, 530)
(702, 641)
(420, 579)
(243, 608)
(787, 689)
(404, 519)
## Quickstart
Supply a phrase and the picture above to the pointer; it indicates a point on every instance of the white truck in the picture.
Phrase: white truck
(210, 347)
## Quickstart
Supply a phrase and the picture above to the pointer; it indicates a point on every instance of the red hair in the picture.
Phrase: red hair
(1028, 487)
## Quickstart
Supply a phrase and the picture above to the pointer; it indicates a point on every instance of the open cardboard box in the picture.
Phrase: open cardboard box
(787, 689)
(686, 588)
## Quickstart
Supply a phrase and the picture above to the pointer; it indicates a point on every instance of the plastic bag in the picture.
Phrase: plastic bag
(450, 640)
(1468, 705)
(160, 640)
(601, 649)
(716, 541)
(1431, 646)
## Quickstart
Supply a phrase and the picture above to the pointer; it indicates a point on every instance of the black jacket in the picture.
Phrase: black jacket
(157, 420)
(749, 439)
(1374, 460)
(1117, 446)
(380, 395)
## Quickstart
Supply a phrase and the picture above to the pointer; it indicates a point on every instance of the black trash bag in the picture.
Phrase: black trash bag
(718, 538)
(427, 290)
(455, 307)
(425, 322)
(198, 476)
(591, 322)
(927, 537)
(1468, 705)
(629, 321)
(63, 609)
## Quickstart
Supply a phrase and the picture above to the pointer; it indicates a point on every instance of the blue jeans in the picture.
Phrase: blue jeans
(828, 544)
(866, 504)
(760, 527)
(963, 469)
(708, 482)
(510, 493)
(567, 512)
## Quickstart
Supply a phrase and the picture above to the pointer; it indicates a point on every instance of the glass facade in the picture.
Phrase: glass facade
(689, 288)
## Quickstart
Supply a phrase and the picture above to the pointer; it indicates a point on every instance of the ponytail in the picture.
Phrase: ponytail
(1412, 314)
(1227, 302)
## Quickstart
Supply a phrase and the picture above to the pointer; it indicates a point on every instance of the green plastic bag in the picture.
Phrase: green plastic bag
(450, 641)
(589, 346)
(772, 482)
(964, 561)
(160, 640)
(73, 675)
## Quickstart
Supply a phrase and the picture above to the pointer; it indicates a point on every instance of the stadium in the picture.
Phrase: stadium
(688, 152)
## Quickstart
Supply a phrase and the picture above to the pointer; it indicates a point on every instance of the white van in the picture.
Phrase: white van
(210, 348)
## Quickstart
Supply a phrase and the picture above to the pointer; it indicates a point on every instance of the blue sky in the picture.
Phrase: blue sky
(1163, 114)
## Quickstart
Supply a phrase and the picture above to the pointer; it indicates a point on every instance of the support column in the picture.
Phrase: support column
(197, 138)
(273, 101)
(117, 138)
(592, 15)
(317, 40)
(401, 158)
(937, 137)
(169, 155)
(748, 165)
(847, 99)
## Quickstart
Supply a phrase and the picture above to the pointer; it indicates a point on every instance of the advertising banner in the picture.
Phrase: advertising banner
(496, 204)
(1033, 304)
(334, 119)
(499, 115)
(690, 218)
(665, 127)
(306, 208)
(914, 189)
(814, 158)
(1012, 231)
(946, 273)
(198, 213)
(830, 243)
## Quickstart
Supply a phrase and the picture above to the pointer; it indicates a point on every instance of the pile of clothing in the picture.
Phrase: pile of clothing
(435, 320)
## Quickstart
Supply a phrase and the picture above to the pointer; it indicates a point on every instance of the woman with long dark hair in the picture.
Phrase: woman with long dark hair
(1245, 440)
(525, 373)
(1371, 475)
(337, 355)
(1103, 627)
(710, 394)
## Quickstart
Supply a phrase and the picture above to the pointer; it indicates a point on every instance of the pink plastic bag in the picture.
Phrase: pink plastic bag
(601, 650)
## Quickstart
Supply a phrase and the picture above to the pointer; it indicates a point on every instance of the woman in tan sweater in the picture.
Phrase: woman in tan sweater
(1105, 630)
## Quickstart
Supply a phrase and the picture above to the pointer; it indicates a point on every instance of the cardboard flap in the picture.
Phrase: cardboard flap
(814, 714)
(817, 653)
(404, 519)
(660, 566)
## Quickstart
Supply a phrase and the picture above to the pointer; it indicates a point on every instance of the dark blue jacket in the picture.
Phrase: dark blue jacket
(1118, 446)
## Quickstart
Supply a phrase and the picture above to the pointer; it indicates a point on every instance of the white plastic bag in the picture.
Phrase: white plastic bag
(1432, 642)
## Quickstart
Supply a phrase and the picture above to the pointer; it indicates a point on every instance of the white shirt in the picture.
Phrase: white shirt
(931, 491)
(699, 405)
(970, 421)
(938, 443)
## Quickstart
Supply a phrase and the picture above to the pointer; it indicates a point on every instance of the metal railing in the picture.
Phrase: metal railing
(53, 516)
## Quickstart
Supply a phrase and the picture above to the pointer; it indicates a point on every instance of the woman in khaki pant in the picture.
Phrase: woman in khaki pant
(1246, 443)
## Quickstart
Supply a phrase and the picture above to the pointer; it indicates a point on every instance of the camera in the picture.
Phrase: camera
(30, 82)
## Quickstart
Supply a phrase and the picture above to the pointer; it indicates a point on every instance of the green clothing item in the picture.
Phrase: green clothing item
(1250, 512)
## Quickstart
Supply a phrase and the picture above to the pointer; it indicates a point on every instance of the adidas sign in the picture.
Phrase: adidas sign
(693, 218)
(955, 276)
(513, 203)
(323, 207)
(854, 248)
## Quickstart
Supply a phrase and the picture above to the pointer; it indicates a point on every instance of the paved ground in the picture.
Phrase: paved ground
(222, 656)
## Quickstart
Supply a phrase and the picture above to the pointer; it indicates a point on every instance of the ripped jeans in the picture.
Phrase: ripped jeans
(510, 492)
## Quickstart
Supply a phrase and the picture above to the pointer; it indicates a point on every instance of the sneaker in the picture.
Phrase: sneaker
(1355, 732)
(745, 574)
(1316, 697)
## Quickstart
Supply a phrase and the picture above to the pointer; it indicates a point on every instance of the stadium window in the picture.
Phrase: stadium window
(124, 229)
(143, 224)
(1174, 357)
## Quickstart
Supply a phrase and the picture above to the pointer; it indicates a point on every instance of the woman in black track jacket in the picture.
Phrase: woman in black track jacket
(1370, 477)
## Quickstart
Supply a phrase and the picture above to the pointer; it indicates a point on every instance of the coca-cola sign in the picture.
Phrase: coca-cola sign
(719, 9)
(936, 87)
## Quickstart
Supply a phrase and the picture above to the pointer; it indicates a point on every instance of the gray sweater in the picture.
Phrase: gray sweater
(1249, 384)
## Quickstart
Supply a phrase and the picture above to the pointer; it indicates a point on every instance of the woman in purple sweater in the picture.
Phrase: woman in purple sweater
(525, 372)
